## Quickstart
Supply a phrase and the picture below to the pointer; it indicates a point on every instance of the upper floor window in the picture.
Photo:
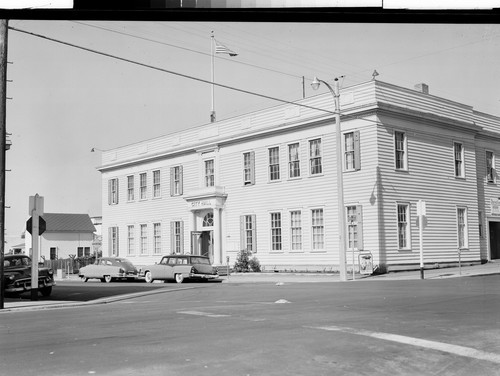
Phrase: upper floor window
(404, 226)
(143, 186)
(113, 191)
(400, 153)
(130, 188)
(463, 241)
(209, 173)
(274, 163)
(293, 161)
(352, 157)
(458, 150)
(156, 184)
(249, 168)
(176, 181)
(315, 156)
(490, 167)
(208, 220)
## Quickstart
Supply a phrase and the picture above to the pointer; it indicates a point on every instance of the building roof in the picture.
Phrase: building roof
(67, 222)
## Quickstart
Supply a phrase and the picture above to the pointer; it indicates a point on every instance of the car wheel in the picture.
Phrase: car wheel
(107, 278)
(179, 278)
(148, 277)
(46, 291)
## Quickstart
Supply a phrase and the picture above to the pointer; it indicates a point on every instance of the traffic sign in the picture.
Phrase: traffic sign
(42, 225)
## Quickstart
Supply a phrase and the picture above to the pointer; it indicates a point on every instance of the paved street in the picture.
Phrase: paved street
(412, 327)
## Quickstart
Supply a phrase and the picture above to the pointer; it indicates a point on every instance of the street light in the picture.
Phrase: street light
(340, 181)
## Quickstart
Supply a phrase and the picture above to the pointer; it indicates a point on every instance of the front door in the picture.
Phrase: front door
(206, 248)
(494, 240)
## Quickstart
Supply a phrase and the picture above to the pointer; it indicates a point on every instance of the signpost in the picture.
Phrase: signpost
(33, 226)
(421, 212)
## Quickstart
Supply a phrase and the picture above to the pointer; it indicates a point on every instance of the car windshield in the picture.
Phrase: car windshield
(17, 261)
(200, 260)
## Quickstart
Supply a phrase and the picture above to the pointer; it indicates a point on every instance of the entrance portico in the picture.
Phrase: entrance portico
(205, 222)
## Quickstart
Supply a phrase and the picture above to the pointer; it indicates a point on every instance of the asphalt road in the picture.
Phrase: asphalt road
(429, 327)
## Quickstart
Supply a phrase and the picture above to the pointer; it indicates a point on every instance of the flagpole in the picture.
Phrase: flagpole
(212, 113)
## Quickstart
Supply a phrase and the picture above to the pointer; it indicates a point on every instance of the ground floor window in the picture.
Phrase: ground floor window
(177, 236)
(130, 240)
(144, 239)
(354, 227)
(248, 233)
(403, 226)
(462, 228)
(53, 253)
(317, 229)
(276, 232)
(113, 241)
(157, 237)
(296, 229)
(83, 251)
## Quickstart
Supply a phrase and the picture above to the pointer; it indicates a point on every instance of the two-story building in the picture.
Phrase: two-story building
(267, 182)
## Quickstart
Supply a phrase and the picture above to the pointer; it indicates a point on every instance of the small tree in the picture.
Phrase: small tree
(245, 264)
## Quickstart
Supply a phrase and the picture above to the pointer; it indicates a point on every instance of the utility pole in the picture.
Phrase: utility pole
(3, 136)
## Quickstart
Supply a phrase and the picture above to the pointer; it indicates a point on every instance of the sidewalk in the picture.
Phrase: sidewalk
(489, 268)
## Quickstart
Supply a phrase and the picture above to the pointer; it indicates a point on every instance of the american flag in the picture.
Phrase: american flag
(221, 49)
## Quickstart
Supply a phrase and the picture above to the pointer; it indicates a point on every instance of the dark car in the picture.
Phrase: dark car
(109, 268)
(17, 275)
(179, 268)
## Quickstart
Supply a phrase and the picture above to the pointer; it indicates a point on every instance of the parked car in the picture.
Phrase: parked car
(180, 268)
(17, 275)
(108, 269)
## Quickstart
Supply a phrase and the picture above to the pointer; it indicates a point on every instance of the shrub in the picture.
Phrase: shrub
(242, 261)
(254, 264)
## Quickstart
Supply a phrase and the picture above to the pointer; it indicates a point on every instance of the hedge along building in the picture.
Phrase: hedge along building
(266, 182)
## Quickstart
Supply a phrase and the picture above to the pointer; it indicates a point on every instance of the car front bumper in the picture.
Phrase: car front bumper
(23, 285)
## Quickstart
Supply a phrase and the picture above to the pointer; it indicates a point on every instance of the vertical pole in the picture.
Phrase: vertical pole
(303, 87)
(421, 241)
(34, 245)
(3, 135)
(340, 185)
(353, 262)
(212, 112)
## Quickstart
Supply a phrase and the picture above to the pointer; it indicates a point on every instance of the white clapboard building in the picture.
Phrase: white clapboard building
(267, 182)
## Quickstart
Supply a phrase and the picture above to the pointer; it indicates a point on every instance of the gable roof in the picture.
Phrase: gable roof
(67, 222)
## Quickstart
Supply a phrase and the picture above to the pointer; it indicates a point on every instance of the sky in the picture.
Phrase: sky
(67, 100)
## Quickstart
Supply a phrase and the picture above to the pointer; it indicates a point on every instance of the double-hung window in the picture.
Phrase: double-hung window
(296, 229)
(176, 181)
(177, 237)
(249, 168)
(130, 240)
(490, 167)
(130, 188)
(458, 150)
(276, 242)
(463, 241)
(113, 241)
(209, 173)
(248, 233)
(144, 239)
(404, 226)
(293, 160)
(157, 237)
(315, 157)
(113, 191)
(143, 186)
(317, 230)
(354, 227)
(156, 184)
(400, 153)
(274, 163)
(352, 156)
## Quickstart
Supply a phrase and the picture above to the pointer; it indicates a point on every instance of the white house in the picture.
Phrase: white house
(66, 235)
(267, 182)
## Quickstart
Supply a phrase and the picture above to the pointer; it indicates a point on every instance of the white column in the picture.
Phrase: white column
(217, 237)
